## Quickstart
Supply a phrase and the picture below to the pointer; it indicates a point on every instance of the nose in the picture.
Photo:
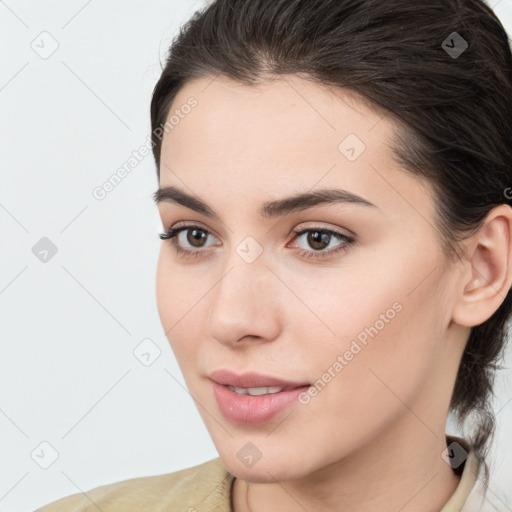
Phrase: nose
(246, 304)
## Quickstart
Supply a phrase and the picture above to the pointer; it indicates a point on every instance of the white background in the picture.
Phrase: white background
(69, 326)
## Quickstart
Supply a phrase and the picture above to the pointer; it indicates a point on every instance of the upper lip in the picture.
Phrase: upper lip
(251, 380)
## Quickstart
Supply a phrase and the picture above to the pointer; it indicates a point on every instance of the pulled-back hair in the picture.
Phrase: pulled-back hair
(402, 57)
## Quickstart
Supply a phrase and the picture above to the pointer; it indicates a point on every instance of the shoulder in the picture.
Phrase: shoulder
(205, 487)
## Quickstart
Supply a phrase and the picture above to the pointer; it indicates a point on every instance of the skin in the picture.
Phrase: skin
(372, 438)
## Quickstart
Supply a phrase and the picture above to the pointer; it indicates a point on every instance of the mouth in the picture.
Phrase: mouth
(256, 391)
(252, 380)
(252, 398)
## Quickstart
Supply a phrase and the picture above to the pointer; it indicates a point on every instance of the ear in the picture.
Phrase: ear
(488, 275)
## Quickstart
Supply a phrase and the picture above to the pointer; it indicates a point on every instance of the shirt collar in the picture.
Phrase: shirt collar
(468, 495)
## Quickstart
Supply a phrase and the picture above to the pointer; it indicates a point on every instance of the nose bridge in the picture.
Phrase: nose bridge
(244, 270)
(243, 299)
(242, 283)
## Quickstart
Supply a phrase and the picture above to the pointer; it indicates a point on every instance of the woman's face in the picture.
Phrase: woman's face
(360, 312)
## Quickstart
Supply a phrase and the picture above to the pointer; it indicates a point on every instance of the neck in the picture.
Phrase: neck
(400, 470)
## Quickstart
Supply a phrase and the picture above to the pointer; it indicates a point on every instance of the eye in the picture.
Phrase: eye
(189, 241)
(193, 235)
(320, 238)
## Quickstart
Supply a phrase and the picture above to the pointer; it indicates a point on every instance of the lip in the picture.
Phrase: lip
(248, 409)
(252, 380)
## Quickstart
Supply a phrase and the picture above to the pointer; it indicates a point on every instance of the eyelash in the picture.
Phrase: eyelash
(347, 242)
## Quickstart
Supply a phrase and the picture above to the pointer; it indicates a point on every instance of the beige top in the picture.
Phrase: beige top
(207, 488)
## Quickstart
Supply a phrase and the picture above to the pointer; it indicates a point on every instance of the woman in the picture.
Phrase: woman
(335, 268)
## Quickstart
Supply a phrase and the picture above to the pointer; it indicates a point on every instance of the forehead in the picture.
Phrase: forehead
(283, 107)
(287, 120)
(283, 136)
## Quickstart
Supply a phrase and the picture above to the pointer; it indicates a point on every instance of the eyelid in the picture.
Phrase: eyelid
(344, 239)
(184, 226)
(329, 228)
(174, 231)
(191, 224)
(342, 231)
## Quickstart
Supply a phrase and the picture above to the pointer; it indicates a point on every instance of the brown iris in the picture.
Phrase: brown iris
(317, 237)
(196, 235)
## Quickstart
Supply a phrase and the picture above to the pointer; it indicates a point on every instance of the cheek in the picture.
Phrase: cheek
(181, 310)
(388, 339)
(176, 293)
(387, 356)
(164, 286)
(171, 297)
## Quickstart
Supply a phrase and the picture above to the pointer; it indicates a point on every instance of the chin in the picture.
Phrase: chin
(267, 470)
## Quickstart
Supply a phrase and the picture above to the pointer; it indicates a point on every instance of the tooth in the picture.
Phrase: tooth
(263, 391)
(240, 391)
(255, 391)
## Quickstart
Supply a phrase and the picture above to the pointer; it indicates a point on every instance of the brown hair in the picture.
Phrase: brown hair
(408, 58)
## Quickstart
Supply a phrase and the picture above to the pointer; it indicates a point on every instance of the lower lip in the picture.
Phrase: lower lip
(252, 410)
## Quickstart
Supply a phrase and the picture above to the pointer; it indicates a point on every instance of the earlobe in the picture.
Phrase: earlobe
(488, 278)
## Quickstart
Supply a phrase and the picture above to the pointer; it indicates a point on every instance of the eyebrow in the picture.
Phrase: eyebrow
(276, 208)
